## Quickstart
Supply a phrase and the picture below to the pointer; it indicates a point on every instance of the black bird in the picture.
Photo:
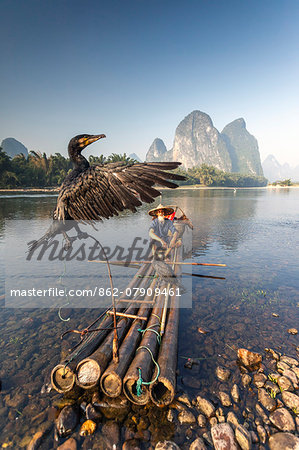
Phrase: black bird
(93, 192)
(164, 271)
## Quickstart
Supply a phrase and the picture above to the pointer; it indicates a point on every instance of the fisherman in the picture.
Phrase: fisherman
(162, 231)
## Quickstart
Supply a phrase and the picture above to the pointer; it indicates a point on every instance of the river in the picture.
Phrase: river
(253, 231)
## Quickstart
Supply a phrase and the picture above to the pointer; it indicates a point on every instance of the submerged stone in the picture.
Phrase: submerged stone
(205, 406)
(282, 419)
(243, 437)
(224, 398)
(222, 373)
(186, 417)
(198, 444)
(284, 441)
(290, 400)
(265, 399)
(292, 331)
(166, 445)
(223, 437)
(259, 380)
(249, 359)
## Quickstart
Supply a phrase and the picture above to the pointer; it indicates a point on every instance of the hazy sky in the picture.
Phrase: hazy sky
(133, 69)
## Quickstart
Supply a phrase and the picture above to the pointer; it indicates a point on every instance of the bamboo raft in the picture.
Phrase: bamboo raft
(147, 332)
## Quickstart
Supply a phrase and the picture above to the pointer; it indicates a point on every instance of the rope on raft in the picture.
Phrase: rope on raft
(140, 381)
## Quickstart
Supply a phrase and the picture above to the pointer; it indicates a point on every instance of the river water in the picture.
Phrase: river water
(253, 231)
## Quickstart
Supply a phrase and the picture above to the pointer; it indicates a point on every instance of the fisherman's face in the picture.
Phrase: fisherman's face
(160, 215)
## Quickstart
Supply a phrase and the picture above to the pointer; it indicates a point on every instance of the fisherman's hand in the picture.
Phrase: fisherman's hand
(178, 243)
(164, 244)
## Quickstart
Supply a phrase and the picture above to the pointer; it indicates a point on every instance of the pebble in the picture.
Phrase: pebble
(235, 393)
(224, 398)
(296, 371)
(290, 400)
(222, 373)
(111, 432)
(282, 419)
(243, 437)
(249, 359)
(282, 366)
(285, 384)
(213, 421)
(246, 379)
(35, 441)
(219, 412)
(91, 413)
(254, 437)
(290, 361)
(223, 437)
(166, 445)
(262, 433)
(201, 420)
(88, 427)
(274, 354)
(205, 406)
(198, 444)
(67, 420)
(259, 380)
(183, 398)
(265, 399)
(70, 444)
(186, 417)
(261, 413)
(285, 441)
(207, 436)
(232, 419)
(170, 415)
(291, 375)
(134, 444)
(272, 387)
(292, 331)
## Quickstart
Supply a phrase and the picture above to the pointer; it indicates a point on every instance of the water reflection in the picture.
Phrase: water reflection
(254, 232)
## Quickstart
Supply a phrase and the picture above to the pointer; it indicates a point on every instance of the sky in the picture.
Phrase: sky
(133, 69)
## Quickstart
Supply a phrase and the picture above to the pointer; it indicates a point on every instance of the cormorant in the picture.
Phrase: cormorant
(92, 192)
(164, 271)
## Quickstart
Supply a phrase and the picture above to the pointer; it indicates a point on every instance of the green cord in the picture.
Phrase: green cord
(140, 382)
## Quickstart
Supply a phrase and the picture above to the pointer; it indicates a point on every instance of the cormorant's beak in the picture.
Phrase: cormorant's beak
(94, 138)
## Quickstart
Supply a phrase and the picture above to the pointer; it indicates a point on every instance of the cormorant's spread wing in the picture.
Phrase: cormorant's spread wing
(104, 190)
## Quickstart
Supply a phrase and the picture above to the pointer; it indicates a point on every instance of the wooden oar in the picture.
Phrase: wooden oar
(149, 262)
(203, 276)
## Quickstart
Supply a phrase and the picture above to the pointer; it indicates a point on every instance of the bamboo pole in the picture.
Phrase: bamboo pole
(163, 320)
(162, 391)
(112, 379)
(129, 316)
(63, 375)
(142, 364)
(167, 262)
(89, 370)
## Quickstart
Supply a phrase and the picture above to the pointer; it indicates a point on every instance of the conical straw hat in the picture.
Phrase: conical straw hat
(167, 210)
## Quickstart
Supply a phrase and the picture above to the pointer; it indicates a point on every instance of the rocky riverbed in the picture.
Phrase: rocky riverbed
(248, 398)
(255, 406)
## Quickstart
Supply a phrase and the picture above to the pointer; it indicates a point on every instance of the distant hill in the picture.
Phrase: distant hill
(198, 142)
(12, 147)
(274, 171)
(134, 156)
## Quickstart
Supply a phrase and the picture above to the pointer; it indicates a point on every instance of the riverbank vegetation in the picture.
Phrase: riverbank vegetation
(210, 176)
(38, 170)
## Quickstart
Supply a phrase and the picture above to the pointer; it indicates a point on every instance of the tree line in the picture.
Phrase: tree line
(38, 170)
(210, 176)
